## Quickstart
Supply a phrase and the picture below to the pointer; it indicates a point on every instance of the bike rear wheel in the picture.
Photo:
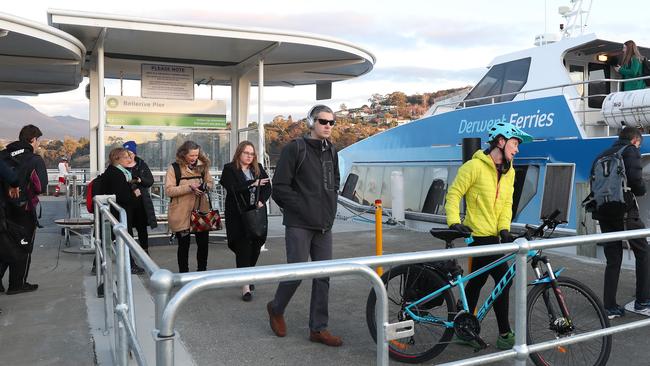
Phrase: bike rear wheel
(545, 322)
(405, 285)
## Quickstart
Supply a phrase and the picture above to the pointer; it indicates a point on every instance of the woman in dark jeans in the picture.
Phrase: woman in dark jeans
(241, 178)
(193, 181)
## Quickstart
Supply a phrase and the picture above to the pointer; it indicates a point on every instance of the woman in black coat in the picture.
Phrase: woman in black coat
(117, 180)
(241, 178)
(143, 212)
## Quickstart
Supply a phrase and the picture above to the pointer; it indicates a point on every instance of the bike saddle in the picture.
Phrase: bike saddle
(448, 235)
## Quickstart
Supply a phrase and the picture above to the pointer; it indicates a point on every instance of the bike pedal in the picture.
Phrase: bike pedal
(481, 343)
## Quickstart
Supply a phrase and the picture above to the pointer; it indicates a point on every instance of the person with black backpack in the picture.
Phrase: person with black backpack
(305, 185)
(186, 182)
(32, 181)
(610, 220)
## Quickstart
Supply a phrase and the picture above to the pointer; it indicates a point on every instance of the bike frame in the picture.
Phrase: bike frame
(460, 283)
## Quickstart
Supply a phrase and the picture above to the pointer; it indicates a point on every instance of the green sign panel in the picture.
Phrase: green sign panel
(166, 120)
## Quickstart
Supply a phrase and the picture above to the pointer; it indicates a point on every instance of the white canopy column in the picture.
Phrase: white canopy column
(260, 110)
(240, 91)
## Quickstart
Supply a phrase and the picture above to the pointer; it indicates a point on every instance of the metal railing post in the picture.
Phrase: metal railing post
(381, 319)
(121, 340)
(107, 265)
(121, 295)
(99, 270)
(129, 288)
(162, 282)
(75, 197)
(521, 280)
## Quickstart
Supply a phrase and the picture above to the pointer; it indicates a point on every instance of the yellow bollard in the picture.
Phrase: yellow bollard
(379, 250)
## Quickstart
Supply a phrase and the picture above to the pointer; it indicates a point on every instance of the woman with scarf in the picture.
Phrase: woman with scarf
(116, 180)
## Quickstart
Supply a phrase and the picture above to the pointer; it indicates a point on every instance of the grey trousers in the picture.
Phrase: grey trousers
(302, 244)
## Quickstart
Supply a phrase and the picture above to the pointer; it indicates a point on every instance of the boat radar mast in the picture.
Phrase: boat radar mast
(575, 21)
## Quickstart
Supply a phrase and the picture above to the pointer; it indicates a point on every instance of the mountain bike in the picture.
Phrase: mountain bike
(557, 307)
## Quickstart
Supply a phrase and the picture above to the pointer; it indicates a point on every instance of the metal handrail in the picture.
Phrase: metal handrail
(234, 277)
(162, 282)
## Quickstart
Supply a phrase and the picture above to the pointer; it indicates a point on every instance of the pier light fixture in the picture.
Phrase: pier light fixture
(602, 57)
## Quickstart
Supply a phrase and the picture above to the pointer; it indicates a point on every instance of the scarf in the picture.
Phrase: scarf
(126, 172)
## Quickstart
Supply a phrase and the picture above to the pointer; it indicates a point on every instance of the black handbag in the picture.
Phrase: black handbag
(255, 220)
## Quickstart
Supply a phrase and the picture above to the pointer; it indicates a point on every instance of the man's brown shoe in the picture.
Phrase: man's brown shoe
(326, 338)
(277, 322)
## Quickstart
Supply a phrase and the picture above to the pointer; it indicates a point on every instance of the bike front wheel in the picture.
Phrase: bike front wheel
(404, 285)
(546, 322)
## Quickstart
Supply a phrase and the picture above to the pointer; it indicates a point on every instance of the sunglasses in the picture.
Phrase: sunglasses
(323, 121)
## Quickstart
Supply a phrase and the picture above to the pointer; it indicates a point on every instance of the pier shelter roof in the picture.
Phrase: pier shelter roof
(37, 58)
(215, 51)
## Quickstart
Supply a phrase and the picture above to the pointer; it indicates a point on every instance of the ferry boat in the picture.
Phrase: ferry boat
(564, 93)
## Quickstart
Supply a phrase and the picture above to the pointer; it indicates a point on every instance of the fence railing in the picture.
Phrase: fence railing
(115, 274)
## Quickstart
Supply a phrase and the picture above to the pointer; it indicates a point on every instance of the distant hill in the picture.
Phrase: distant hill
(14, 114)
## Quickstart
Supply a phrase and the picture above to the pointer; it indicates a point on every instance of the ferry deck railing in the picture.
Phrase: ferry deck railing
(493, 98)
(114, 268)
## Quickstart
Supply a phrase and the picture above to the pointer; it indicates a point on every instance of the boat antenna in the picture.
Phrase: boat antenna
(575, 16)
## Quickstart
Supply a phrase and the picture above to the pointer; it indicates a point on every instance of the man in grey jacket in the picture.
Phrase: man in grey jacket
(305, 185)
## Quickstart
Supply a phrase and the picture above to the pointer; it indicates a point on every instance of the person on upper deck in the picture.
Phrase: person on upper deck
(487, 183)
(631, 66)
(186, 191)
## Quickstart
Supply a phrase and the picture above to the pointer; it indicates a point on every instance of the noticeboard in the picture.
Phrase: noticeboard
(167, 82)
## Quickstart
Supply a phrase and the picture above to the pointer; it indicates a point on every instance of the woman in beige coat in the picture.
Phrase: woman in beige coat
(185, 190)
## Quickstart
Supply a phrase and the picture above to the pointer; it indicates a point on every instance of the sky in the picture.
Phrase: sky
(420, 45)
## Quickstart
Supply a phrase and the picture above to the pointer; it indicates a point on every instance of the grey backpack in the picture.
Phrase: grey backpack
(609, 184)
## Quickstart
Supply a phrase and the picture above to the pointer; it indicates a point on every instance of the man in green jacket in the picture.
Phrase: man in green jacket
(487, 183)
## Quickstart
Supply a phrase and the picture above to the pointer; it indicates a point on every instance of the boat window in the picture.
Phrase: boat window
(425, 187)
(434, 192)
(526, 179)
(453, 171)
(361, 172)
(598, 91)
(577, 74)
(372, 190)
(386, 198)
(503, 78)
(413, 181)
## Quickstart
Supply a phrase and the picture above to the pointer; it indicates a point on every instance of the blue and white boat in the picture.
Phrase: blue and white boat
(563, 93)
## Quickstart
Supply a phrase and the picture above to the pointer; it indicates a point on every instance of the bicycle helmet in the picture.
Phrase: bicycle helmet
(508, 130)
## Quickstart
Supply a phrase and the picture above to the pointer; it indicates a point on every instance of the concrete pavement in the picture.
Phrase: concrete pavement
(57, 325)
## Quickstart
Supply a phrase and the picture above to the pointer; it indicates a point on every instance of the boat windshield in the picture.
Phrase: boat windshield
(503, 78)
